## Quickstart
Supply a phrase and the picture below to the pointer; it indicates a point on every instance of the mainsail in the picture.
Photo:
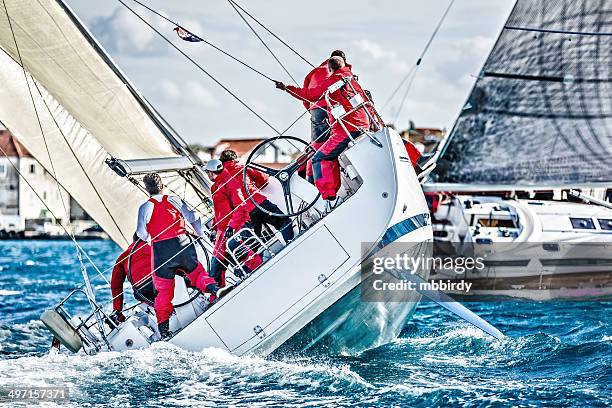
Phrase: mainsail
(540, 113)
(88, 112)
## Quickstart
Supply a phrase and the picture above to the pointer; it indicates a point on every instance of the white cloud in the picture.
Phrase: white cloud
(187, 94)
(382, 40)
(197, 93)
(124, 33)
(378, 53)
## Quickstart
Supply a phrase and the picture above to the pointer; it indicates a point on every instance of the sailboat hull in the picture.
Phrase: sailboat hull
(314, 285)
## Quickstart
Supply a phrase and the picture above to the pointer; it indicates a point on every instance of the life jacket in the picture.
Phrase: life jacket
(343, 98)
(166, 220)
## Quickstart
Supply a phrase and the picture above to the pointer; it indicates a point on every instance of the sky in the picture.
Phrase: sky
(382, 40)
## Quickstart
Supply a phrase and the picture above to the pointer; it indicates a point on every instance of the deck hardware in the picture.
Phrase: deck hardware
(259, 331)
(324, 281)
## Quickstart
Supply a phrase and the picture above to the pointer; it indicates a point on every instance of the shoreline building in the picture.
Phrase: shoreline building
(21, 212)
(273, 155)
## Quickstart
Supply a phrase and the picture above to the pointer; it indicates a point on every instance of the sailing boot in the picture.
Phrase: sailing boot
(164, 330)
(218, 292)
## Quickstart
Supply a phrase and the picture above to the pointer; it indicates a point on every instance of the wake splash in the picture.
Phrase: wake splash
(167, 373)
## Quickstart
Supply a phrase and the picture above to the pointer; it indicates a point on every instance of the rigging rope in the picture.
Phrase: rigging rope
(225, 88)
(204, 40)
(262, 41)
(272, 33)
(25, 179)
(419, 60)
(54, 175)
(60, 130)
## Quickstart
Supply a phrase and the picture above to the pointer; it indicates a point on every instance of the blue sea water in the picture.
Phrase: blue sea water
(556, 354)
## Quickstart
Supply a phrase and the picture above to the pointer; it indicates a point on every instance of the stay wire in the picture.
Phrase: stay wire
(54, 175)
(408, 87)
(25, 179)
(422, 55)
(225, 88)
(272, 33)
(205, 41)
(40, 126)
(262, 41)
(93, 186)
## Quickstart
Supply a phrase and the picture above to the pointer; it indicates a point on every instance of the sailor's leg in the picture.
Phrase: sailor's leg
(163, 279)
(309, 175)
(217, 270)
(282, 224)
(319, 125)
(202, 280)
(325, 168)
(319, 133)
(163, 301)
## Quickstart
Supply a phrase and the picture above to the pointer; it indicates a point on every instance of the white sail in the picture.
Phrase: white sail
(88, 109)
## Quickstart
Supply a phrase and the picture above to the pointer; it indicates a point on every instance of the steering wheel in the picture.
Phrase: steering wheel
(283, 175)
(141, 297)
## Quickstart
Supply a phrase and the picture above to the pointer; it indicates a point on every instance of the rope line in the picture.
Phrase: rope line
(204, 41)
(224, 87)
(25, 179)
(421, 56)
(54, 175)
(272, 33)
(261, 40)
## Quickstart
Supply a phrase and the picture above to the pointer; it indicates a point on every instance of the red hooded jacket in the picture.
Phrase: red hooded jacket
(255, 181)
(140, 271)
(229, 202)
(312, 80)
(354, 121)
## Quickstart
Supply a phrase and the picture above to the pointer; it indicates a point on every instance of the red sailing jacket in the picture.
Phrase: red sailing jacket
(312, 80)
(166, 220)
(356, 120)
(229, 202)
(140, 271)
(255, 181)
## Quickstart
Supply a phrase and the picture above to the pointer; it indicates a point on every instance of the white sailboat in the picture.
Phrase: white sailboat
(539, 118)
(97, 135)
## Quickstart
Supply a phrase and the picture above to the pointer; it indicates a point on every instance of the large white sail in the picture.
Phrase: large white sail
(88, 109)
(540, 113)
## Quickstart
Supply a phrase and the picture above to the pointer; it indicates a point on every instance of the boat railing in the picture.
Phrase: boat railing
(248, 246)
(83, 326)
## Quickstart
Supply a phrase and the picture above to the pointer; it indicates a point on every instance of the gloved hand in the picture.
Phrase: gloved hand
(229, 232)
(213, 236)
(280, 85)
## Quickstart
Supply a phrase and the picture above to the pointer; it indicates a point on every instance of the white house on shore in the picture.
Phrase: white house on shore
(18, 202)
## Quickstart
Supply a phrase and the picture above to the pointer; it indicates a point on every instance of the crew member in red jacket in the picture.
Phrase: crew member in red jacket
(135, 265)
(161, 219)
(256, 180)
(327, 176)
(319, 122)
(231, 215)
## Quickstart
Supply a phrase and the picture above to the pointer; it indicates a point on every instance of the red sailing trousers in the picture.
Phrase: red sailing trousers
(172, 256)
(325, 167)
